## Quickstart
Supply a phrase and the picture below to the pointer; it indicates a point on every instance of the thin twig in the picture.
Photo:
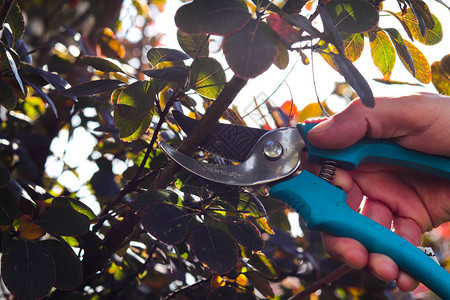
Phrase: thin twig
(186, 287)
(336, 274)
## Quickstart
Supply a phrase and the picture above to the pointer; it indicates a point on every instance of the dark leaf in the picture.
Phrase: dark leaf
(35, 191)
(303, 23)
(422, 9)
(293, 6)
(136, 101)
(267, 5)
(207, 77)
(63, 221)
(8, 206)
(382, 50)
(402, 49)
(252, 50)
(55, 80)
(223, 293)
(13, 65)
(261, 263)
(5, 177)
(355, 79)
(157, 55)
(74, 204)
(165, 222)
(352, 16)
(93, 87)
(212, 16)
(101, 64)
(15, 21)
(215, 248)
(67, 265)
(155, 196)
(402, 22)
(389, 81)
(7, 97)
(194, 44)
(260, 283)
(334, 37)
(43, 96)
(28, 271)
(245, 233)
(171, 74)
(418, 17)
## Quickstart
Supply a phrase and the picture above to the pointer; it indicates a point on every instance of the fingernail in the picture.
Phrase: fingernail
(321, 127)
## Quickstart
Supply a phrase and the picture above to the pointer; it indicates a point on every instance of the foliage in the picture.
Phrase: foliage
(154, 231)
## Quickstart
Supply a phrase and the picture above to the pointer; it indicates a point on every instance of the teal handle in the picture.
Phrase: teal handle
(323, 207)
(377, 150)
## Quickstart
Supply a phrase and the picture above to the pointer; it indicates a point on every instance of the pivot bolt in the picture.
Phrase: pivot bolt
(272, 150)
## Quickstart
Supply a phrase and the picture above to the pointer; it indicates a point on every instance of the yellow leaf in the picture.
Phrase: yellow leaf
(262, 222)
(421, 65)
(311, 110)
(32, 232)
(440, 81)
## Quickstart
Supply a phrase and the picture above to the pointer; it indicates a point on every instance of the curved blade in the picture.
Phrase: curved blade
(231, 142)
(256, 169)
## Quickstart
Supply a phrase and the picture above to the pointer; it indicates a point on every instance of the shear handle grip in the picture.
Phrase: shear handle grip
(377, 150)
(323, 207)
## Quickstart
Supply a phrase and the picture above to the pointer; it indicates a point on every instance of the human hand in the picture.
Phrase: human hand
(411, 202)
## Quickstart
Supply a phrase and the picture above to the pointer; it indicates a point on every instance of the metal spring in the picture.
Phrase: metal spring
(328, 170)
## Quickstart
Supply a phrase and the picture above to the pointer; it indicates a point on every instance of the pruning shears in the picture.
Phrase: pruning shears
(273, 157)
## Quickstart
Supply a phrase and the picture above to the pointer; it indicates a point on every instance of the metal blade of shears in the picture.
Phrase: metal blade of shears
(231, 142)
(276, 155)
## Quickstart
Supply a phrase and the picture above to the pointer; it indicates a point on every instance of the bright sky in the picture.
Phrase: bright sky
(300, 80)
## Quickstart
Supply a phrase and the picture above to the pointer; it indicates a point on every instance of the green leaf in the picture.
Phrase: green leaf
(165, 222)
(355, 79)
(282, 59)
(353, 46)
(352, 16)
(136, 101)
(101, 64)
(28, 271)
(171, 74)
(382, 50)
(75, 204)
(433, 35)
(245, 233)
(155, 196)
(157, 55)
(93, 87)
(212, 16)
(15, 21)
(421, 66)
(261, 263)
(63, 221)
(8, 207)
(67, 265)
(131, 130)
(207, 77)
(252, 50)
(440, 79)
(194, 44)
(422, 9)
(401, 48)
(215, 248)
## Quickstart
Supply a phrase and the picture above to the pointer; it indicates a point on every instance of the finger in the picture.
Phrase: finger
(378, 211)
(383, 267)
(346, 250)
(403, 118)
(405, 282)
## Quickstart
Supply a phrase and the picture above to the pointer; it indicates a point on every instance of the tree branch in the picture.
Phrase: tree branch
(120, 230)
(336, 274)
